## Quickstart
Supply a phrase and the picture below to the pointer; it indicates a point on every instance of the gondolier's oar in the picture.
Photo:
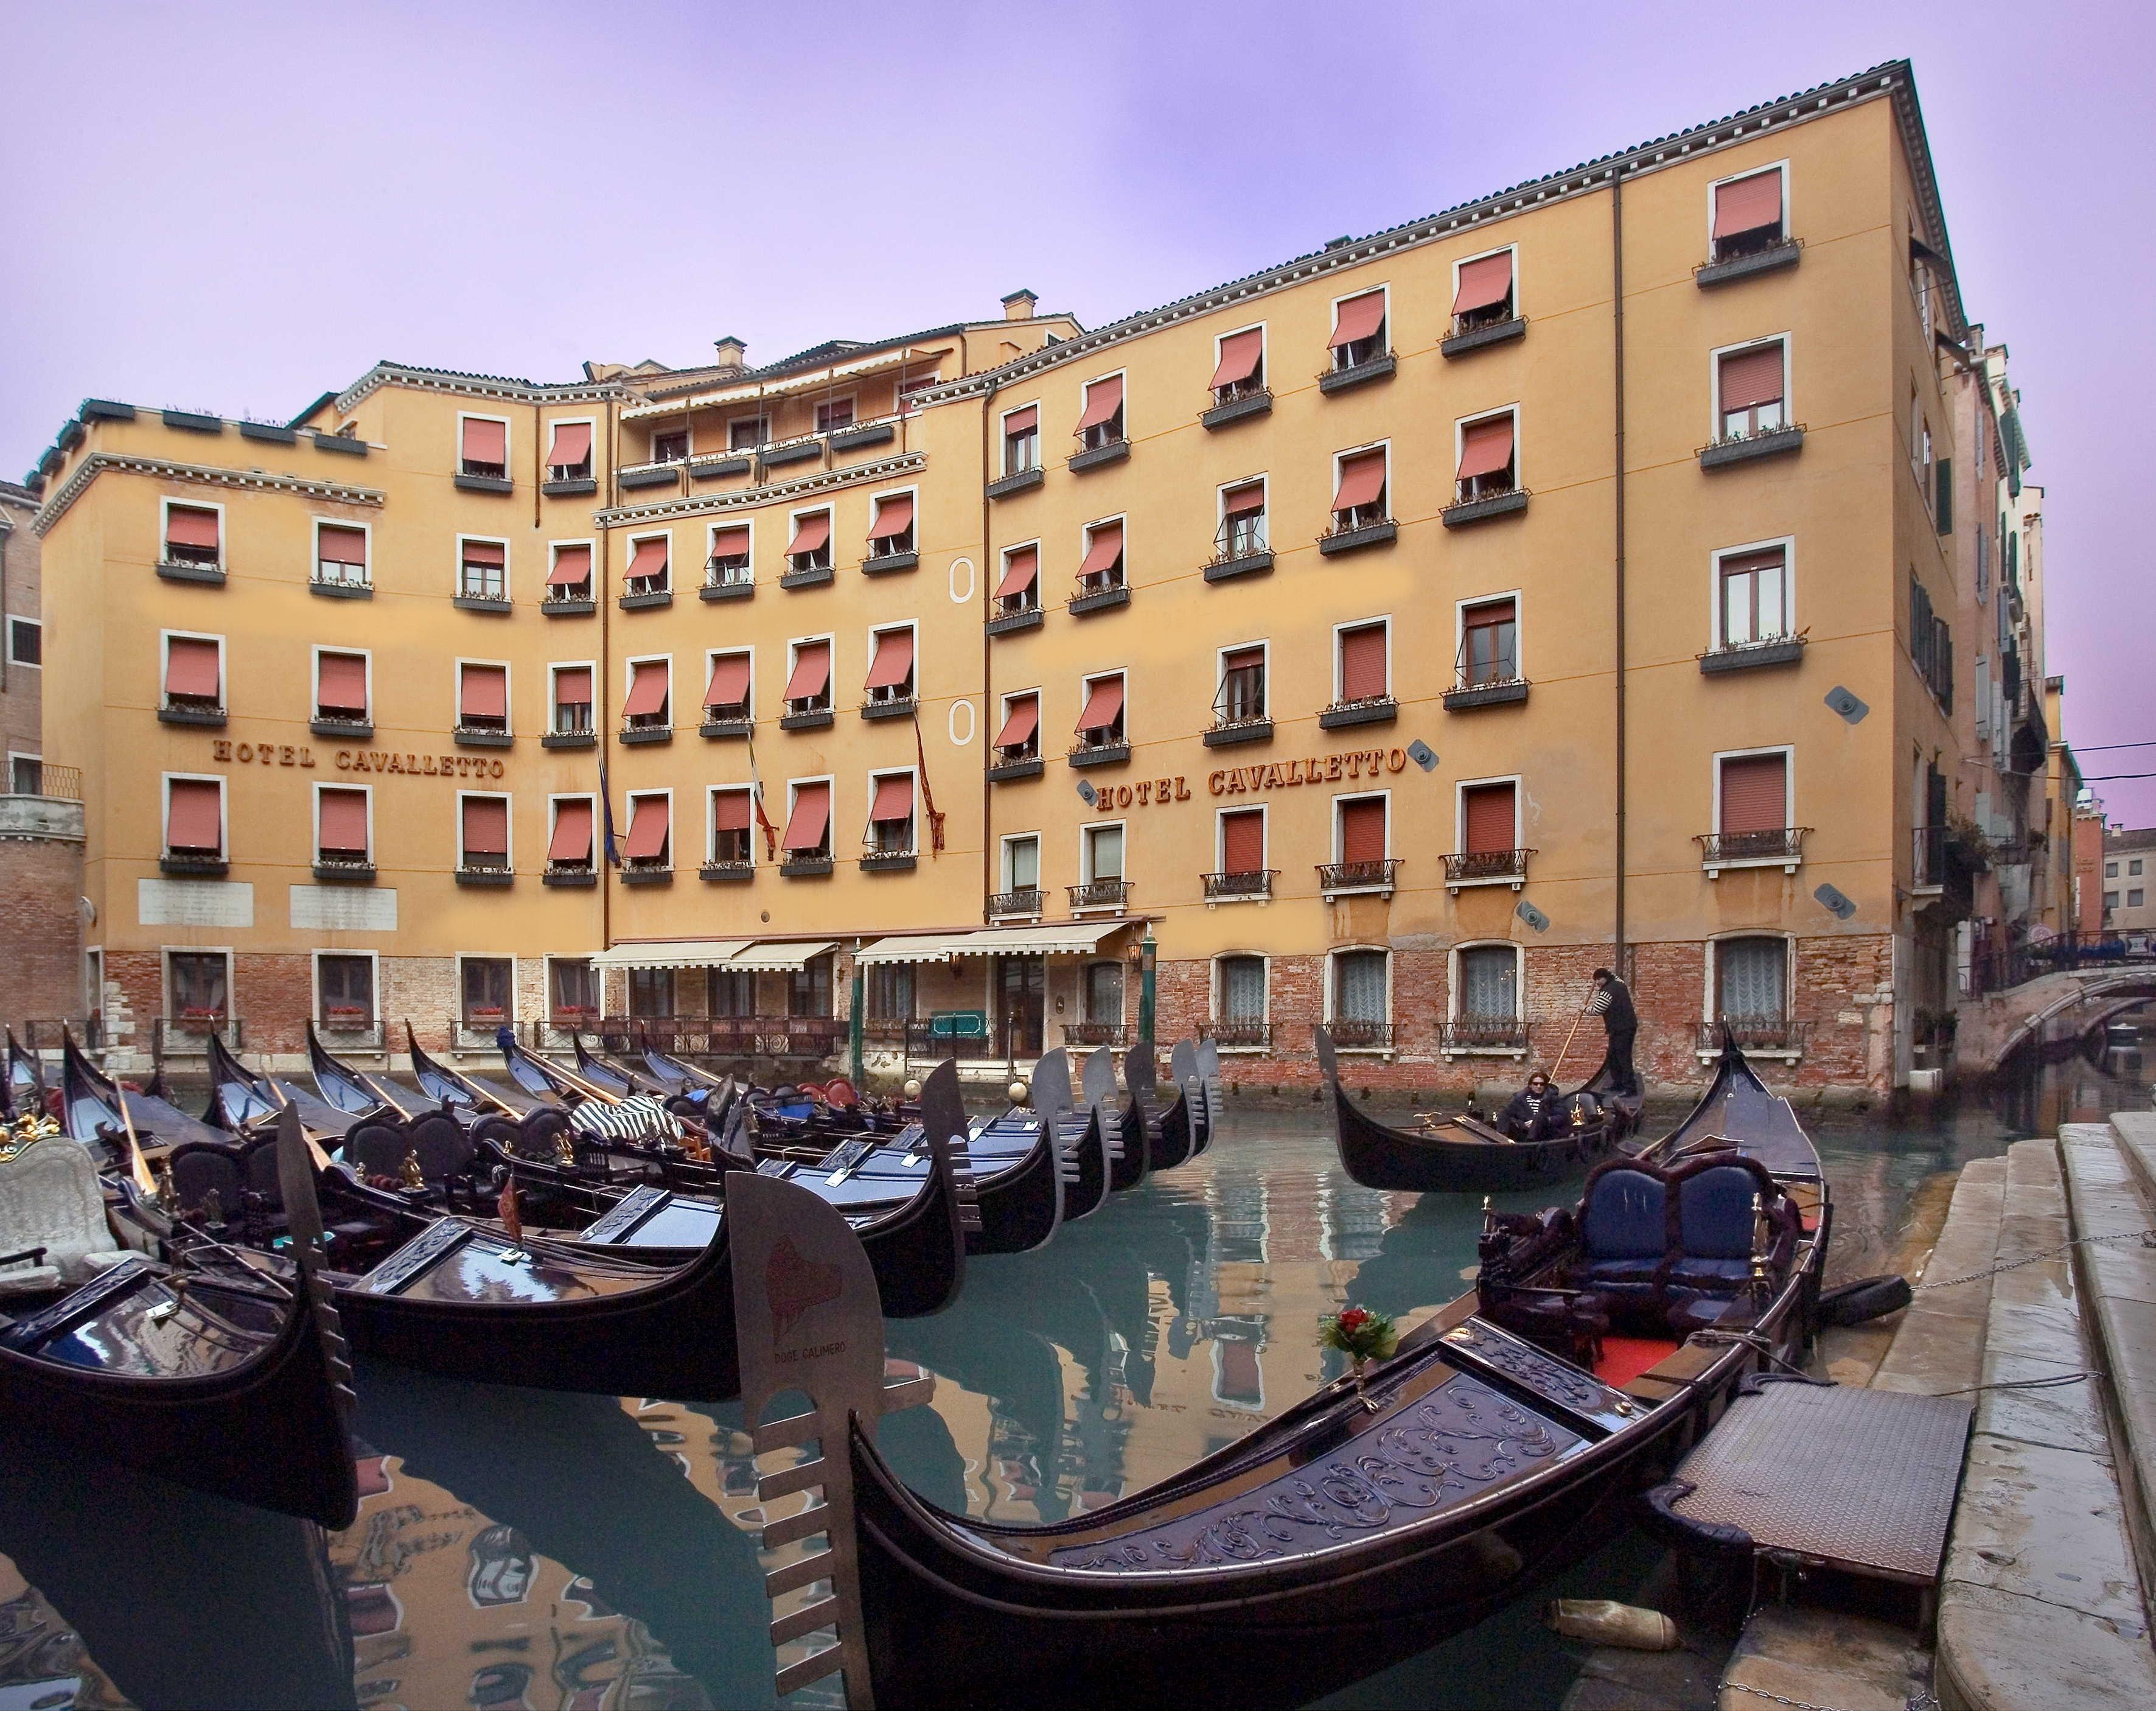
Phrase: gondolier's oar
(284, 1104)
(138, 1167)
(1576, 1021)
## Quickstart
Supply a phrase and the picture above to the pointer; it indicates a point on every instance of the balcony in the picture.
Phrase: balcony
(1092, 457)
(889, 861)
(175, 568)
(1231, 562)
(1349, 879)
(726, 872)
(1371, 710)
(1354, 374)
(1255, 886)
(633, 732)
(655, 872)
(892, 707)
(1484, 506)
(811, 865)
(786, 452)
(1720, 454)
(1017, 481)
(1351, 534)
(571, 738)
(1492, 692)
(570, 874)
(192, 864)
(1239, 406)
(855, 435)
(1744, 656)
(1759, 1036)
(737, 462)
(809, 575)
(1238, 1032)
(335, 582)
(472, 874)
(552, 605)
(1355, 1035)
(1107, 751)
(1227, 732)
(351, 730)
(1099, 599)
(1092, 1033)
(888, 564)
(727, 579)
(468, 736)
(191, 713)
(187, 1034)
(484, 478)
(725, 722)
(1467, 337)
(1782, 847)
(1469, 1035)
(1008, 767)
(476, 597)
(1476, 867)
(637, 478)
(1110, 894)
(1007, 619)
(805, 716)
(1026, 902)
(1742, 264)
(341, 867)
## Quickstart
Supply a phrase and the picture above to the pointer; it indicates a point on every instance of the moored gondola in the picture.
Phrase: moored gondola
(617, 1077)
(1162, 1122)
(1127, 1150)
(453, 1086)
(1464, 1154)
(90, 1103)
(243, 1098)
(360, 1093)
(24, 1089)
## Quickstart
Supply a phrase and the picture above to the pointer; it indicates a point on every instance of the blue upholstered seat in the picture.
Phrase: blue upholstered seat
(1715, 1227)
(1623, 1230)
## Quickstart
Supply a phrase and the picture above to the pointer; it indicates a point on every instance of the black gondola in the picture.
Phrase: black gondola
(619, 1078)
(89, 1104)
(1352, 1530)
(1126, 1142)
(359, 1092)
(453, 1086)
(244, 1098)
(24, 1089)
(217, 1376)
(1162, 1123)
(1464, 1154)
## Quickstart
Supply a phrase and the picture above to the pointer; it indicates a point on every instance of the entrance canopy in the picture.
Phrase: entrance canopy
(779, 954)
(1068, 939)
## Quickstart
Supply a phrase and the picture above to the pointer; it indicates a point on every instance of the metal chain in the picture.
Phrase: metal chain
(2146, 1237)
(1915, 1701)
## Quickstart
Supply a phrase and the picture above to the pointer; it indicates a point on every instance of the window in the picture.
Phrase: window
(2133, 869)
(573, 701)
(193, 534)
(1751, 983)
(1359, 831)
(833, 414)
(1482, 292)
(194, 817)
(1752, 596)
(482, 698)
(731, 813)
(808, 987)
(483, 570)
(1242, 833)
(1101, 568)
(728, 694)
(340, 555)
(569, 577)
(1748, 385)
(890, 680)
(26, 774)
(746, 433)
(1019, 590)
(483, 833)
(1019, 738)
(649, 848)
(651, 992)
(1489, 992)
(194, 673)
(569, 843)
(343, 827)
(2134, 898)
(1358, 494)
(1358, 330)
(669, 446)
(1022, 440)
(340, 688)
(730, 992)
(890, 813)
(573, 988)
(1748, 214)
(1104, 994)
(1362, 999)
(26, 642)
(1239, 369)
(727, 565)
(1101, 854)
(1362, 663)
(1752, 793)
(1240, 699)
(1242, 529)
(892, 533)
(344, 990)
(1489, 825)
(1100, 423)
(1022, 862)
(485, 447)
(1489, 642)
(1240, 1002)
(485, 986)
(200, 984)
(890, 991)
(649, 567)
(650, 693)
(1101, 720)
(569, 454)
(910, 387)
(807, 836)
(809, 684)
(2111, 899)
(1488, 463)
(810, 548)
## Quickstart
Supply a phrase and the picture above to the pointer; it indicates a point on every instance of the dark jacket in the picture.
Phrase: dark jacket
(1528, 1117)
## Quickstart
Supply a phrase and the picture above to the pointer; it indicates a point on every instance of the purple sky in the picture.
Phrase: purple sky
(233, 208)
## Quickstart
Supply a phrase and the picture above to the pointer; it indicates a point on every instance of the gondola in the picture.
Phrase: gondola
(541, 1077)
(1184, 1068)
(616, 1077)
(1163, 1124)
(1085, 1163)
(25, 1086)
(243, 1098)
(1463, 1154)
(680, 1072)
(1126, 1150)
(89, 1098)
(360, 1093)
(1356, 1528)
(217, 1375)
(453, 1086)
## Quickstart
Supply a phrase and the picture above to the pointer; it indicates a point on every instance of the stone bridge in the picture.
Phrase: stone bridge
(2052, 1007)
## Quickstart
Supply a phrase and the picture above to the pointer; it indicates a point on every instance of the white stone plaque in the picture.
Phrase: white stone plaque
(323, 908)
(194, 902)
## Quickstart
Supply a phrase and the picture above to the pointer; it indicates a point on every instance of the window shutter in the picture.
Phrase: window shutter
(572, 444)
(573, 688)
(572, 568)
(486, 826)
(1359, 318)
(894, 798)
(894, 517)
(649, 559)
(485, 692)
(1755, 794)
(894, 659)
(1363, 830)
(341, 683)
(1104, 700)
(1752, 376)
(1103, 398)
(191, 668)
(571, 841)
(1362, 663)
(185, 527)
(1487, 810)
(191, 822)
(1019, 570)
(1746, 204)
(729, 684)
(812, 813)
(1486, 447)
(344, 822)
(1103, 549)
(730, 811)
(647, 829)
(340, 546)
(1240, 353)
(810, 533)
(1242, 841)
(1483, 283)
(812, 672)
(647, 692)
(485, 442)
(1019, 725)
(1943, 510)
(1021, 422)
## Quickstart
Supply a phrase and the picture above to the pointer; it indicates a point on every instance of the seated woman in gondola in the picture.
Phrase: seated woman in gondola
(1537, 1112)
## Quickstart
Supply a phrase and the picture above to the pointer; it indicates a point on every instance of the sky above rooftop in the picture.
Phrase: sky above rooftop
(235, 207)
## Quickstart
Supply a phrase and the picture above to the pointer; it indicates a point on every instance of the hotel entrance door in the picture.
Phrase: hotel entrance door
(1021, 1005)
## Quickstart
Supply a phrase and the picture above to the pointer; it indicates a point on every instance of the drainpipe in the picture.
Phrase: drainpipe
(601, 673)
(1617, 303)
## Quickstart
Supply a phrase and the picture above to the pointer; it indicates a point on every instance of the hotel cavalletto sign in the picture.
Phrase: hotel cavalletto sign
(231, 751)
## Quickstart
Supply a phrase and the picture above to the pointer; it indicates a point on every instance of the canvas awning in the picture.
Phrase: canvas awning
(679, 954)
(572, 444)
(1066, 939)
(779, 956)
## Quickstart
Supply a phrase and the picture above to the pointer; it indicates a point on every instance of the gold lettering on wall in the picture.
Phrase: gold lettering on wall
(229, 752)
(1287, 775)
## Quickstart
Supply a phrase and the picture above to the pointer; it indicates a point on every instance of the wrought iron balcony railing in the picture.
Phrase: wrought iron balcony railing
(1360, 1035)
(1335, 876)
(1487, 867)
(1248, 1032)
(1257, 882)
(1783, 844)
(1100, 894)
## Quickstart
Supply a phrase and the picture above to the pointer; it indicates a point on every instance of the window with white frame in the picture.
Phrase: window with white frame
(569, 575)
(26, 774)
(569, 452)
(1752, 595)
(340, 555)
(1362, 999)
(729, 689)
(726, 565)
(747, 433)
(198, 986)
(650, 567)
(1018, 738)
(890, 678)
(669, 445)
(810, 548)
(1748, 214)
(1238, 1000)
(732, 816)
(1489, 457)
(1240, 696)
(194, 534)
(890, 534)
(809, 681)
(26, 642)
(648, 705)
(1018, 589)
(1362, 655)
(1101, 718)
(1022, 870)
(1358, 490)
(1100, 423)
(1487, 999)
(1752, 989)
(572, 990)
(486, 988)
(1750, 388)
(1489, 642)
(194, 818)
(483, 833)
(1238, 366)
(343, 827)
(1242, 530)
(1022, 440)
(1101, 854)
(194, 674)
(572, 701)
(483, 569)
(484, 447)
(890, 830)
(344, 990)
(570, 844)
(1358, 330)
(482, 699)
(1482, 292)
(1101, 567)
(650, 845)
(340, 688)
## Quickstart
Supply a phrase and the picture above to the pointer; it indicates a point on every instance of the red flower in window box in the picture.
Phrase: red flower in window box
(484, 1013)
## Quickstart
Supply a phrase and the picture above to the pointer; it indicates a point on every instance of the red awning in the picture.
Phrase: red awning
(1103, 547)
(1240, 352)
(1023, 421)
(1485, 446)
(1019, 722)
(1362, 479)
(1019, 570)
(486, 691)
(894, 516)
(647, 830)
(1241, 501)
(729, 684)
(572, 833)
(647, 690)
(894, 659)
(572, 688)
(485, 552)
(730, 811)
(341, 682)
(192, 822)
(485, 442)
(1243, 660)
(1755, 793)
(334, 544)
(1103, 398)
(812, 813)
(191, 667)
(1104, 700)
(1358, 318)
(894, 798)
(187, 526)
(572, 568)
(1746, 204)
(486, 825)
(650, 558)
(1483, 282)
(572, 444)
(812, 672)
(1362, 662)
(1363, 830)
(810, 533)
(1487, 809)
(1752, 376)
(344, 821)
(730, 543)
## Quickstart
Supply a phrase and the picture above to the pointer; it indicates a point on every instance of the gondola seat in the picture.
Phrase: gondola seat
(1715, 1223)
(50, 1200)
(1623, 1228)
(207, 1181)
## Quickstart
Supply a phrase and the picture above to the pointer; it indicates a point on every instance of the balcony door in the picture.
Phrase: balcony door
(1021, 1003)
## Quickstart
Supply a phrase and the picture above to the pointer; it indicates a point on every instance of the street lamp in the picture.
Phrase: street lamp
(1148, 953)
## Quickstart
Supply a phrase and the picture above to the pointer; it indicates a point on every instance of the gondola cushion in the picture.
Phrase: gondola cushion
(49, 1198)
(1714, 1214)
(1623, 1226)
(639, 1117)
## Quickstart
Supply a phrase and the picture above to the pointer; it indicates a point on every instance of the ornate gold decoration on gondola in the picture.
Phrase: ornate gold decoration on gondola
(565, 1149)
(26, 1130)
(415, 1179)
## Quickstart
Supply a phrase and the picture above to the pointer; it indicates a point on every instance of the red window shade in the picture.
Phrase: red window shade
(1362, 663)
(344, 821)
(1485, 446)
(191, 820)
(572, 568)
(1103, 398)
(340, 546)
(1021, 422)
(1243, 660)
(1020, 722)
(486, 825)
(810, 533)
(191, 668)
(1755, 793)
(572, 842)
(1362, 480)
(1102, 549)
(894, 798)
(894, 659)
(341, 682)
(1358, 318)
(1242, 842)
(1104, 700)
(730, 811)
(729, 684)
(649, 559)
(730, 543)
(1483, 283)
(1487, 810)
(486, 691)
(1753, 377)
(1019, 570)
(647, 830)
(1363, 830)
(1240, 501)
(573, 688)
(812, 813)
(1746, 204)
(894, 516)
(1488, 613)
(187, 526)
(1240, 352)
(485, 552)
(485, 442)
(572, 444)
(812, 672)
(647, 691)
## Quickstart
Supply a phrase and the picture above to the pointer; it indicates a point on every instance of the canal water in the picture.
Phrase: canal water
(518, 1549)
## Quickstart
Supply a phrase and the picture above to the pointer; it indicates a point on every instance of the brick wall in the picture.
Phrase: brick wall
(40, 933)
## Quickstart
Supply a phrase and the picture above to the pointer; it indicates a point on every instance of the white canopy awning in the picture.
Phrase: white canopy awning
(780, 954)
(1068, 939)
(675, 954)
(904, 947)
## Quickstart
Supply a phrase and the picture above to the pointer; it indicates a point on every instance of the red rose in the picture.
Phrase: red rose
(1354, 1319)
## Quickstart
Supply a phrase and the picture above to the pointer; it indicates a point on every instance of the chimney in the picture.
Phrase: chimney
(732, 352)
(1018, 305)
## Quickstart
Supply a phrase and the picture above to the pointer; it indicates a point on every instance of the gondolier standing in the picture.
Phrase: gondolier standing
(1613, 1003)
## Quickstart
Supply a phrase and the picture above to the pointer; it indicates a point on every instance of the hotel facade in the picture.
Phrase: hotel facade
(1388, 638)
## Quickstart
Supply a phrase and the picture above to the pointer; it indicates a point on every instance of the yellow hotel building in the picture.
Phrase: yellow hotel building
(1392, 636)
